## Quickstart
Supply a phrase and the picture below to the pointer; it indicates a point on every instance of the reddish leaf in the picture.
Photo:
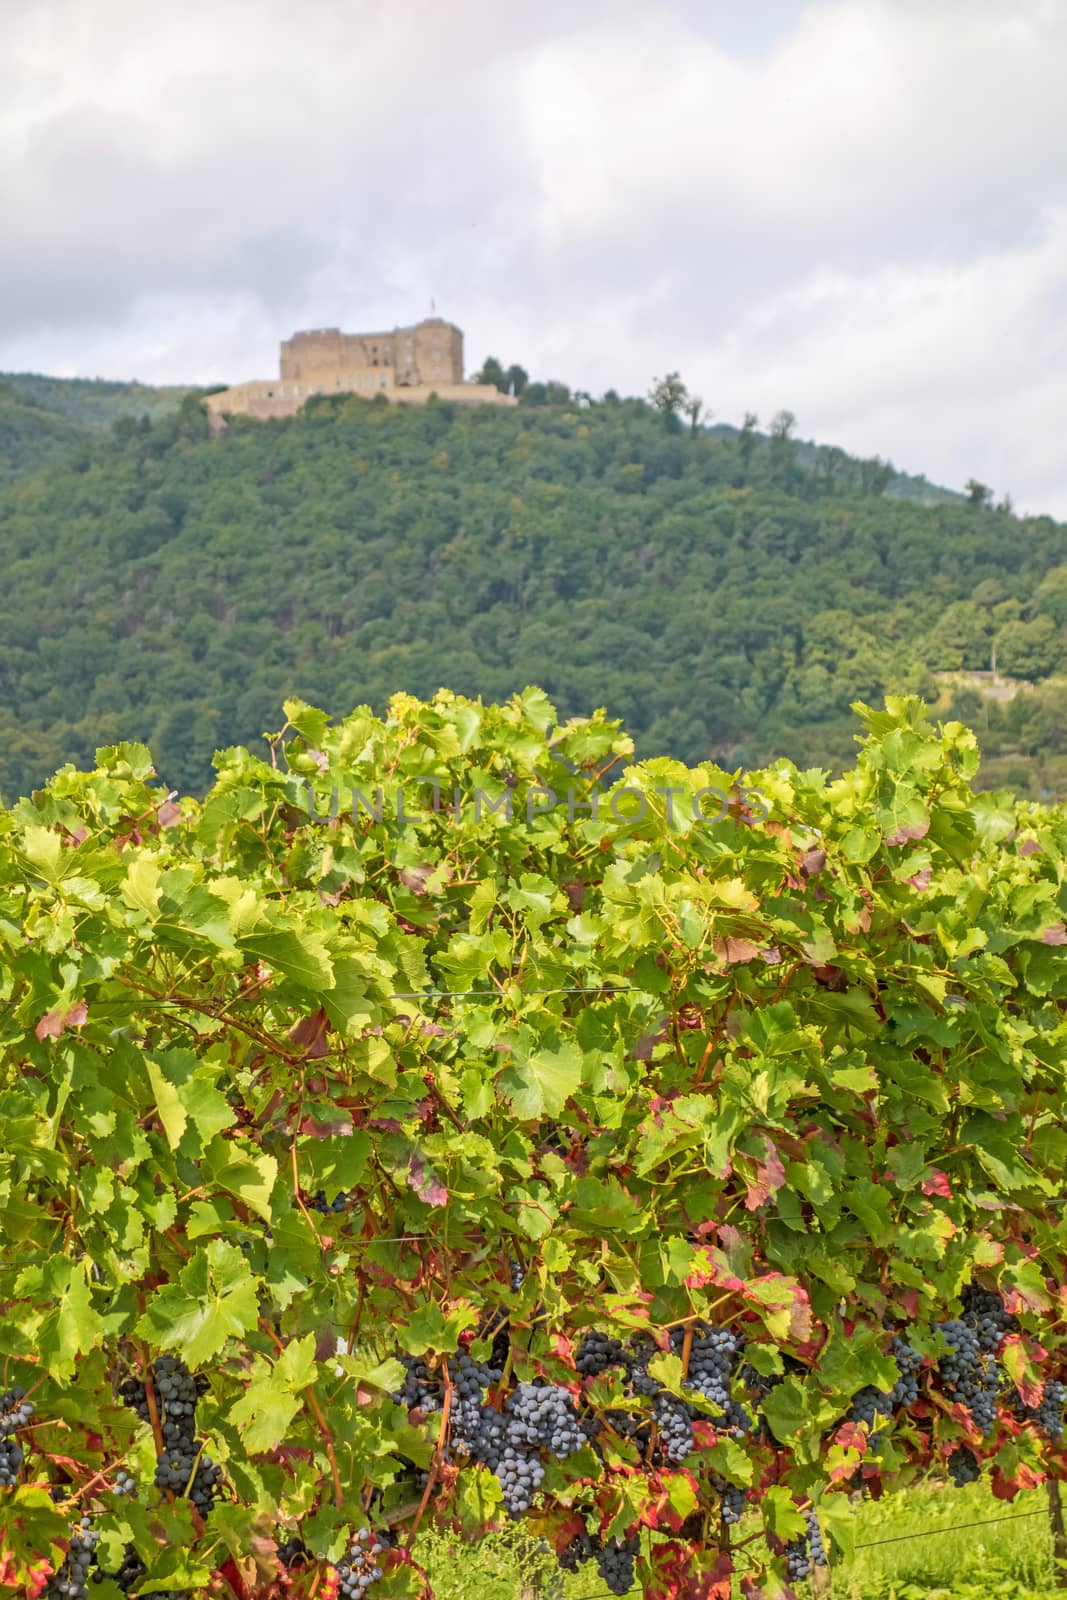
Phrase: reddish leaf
(938, 1183)
(310, 1033)
(53, 1023)
(169, 814)
(921, 880)
(1029, 847)
(770, 1176)
(850, 1436)
(735, 951)
(1056, 933)
(812, 863)
(909, 830)
(429, 1188)
(414, 878)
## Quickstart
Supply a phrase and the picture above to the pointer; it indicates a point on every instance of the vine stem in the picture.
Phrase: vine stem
(435, 1466)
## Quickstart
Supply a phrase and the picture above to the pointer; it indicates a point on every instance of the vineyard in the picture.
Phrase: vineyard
(449, 1126)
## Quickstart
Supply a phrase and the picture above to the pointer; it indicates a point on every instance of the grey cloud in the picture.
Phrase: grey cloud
(846, 206)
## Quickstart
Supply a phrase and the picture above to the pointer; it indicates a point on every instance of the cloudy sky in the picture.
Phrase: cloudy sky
(853, 208)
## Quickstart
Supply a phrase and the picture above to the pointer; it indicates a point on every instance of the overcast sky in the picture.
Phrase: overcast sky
(853, 208)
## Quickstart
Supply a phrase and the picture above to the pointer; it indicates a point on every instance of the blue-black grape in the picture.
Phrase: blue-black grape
(615, 1563)
(597, 1352)
(672, 1418)
(802, 1554)
(963, 1467)
(732, 1498)
(71, 1582)
(358, 1570)
(970, 1374)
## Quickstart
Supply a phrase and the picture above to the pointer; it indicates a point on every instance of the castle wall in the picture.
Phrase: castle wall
(408, 364)
(264, 398)
(431, 351)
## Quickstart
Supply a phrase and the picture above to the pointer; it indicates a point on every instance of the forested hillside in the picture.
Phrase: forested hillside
(726, 595)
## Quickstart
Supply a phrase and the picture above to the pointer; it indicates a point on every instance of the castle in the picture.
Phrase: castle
(408, 364)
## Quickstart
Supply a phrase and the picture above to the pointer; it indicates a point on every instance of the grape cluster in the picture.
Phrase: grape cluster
(15, 1412)
(615, 1559)
(615, 1563)
(359, 1568)
(802, 1554)
(905, 1391)
(181, 1467)
(984, 1311)
(963, 1467)
(536, 1418)
(327, 1208)
(732, 1498)
(71, 1582)
(713, 1357)
(131, 1570)
(292, 1551)
(969, 1373)
(597, 1352)
(125, 1483)
(543, 1416)
(422, 1388)
(518, 1276)
(1048, 1416)
(470, 1417)
(675, 1425)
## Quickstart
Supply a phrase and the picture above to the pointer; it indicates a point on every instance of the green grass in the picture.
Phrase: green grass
(925, 1555)
(1009, 1559)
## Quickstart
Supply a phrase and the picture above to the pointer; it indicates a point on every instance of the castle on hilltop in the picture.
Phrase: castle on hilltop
(408, 364)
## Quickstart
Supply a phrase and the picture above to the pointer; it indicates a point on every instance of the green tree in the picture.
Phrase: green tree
(1029, 649)
(978, 494)
(669, 395)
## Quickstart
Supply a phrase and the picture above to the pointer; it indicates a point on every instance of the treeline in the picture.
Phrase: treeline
(728, 594)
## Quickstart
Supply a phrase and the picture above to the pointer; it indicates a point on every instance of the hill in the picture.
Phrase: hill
(724, 594)
(94, 403)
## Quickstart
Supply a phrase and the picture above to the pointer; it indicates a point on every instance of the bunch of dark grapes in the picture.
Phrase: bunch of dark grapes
(963, 1467)
(359, 1568)
(422, 1388)
(969, 1374)
(467, 1420)
(1048, 1416)
(180, 1467)
(131, 1570)
(732, 1498)
(581, 1548)
(868, 1404)
(802, 1554)
(293, 1552)
(15, 1412)
(597, 1352)
(905, 1391)
(713, 1356)
(327, 1208)
(984, 1311)
(124, 1484)
(615, 1563)
(544, 1415)
(71, 1582)
(672, 1418)
(520, 1473)
(518, 1276)
(536, 1418)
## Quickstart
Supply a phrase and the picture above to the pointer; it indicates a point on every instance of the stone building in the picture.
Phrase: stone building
(405, 364)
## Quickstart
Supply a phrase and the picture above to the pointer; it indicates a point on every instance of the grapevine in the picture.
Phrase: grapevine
(653, 1183)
